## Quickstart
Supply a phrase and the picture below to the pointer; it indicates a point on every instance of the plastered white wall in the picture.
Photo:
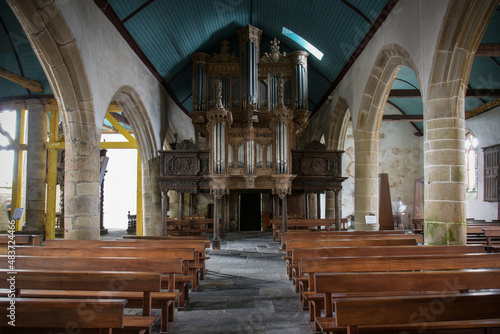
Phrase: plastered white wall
(110, 63)
(485, 128)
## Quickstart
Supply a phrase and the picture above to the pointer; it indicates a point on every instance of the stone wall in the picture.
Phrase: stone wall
(485, 128)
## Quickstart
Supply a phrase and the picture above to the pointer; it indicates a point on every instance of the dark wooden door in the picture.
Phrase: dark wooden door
(250, 218)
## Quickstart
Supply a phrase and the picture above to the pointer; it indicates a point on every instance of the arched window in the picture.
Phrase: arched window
(471, 160)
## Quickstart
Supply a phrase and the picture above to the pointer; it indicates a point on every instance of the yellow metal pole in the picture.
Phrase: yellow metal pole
(50, 223)
(139, 228)
(17, 177)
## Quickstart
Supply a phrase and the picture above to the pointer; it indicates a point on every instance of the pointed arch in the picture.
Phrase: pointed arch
(366, 135)
(338, 125)
(60, 57)
(444, 120)
(134, 110)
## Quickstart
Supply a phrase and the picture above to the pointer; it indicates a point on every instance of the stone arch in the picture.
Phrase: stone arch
(132, 106)
(338, 125)
(60, 57)
(444, 120)
(366, 135)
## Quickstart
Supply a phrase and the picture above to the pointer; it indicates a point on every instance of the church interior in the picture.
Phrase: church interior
(362, 128)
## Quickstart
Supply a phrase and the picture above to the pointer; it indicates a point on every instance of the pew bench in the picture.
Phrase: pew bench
(188, 255)
(398, 314)
(76, 315)
(313, 266)
(322, 235)
(137, 288)
(15, 240)
(166, 267)
(301, 280)
(391, 284)
(335, 242)
(492, 235)
(303, 224)
(200, 246)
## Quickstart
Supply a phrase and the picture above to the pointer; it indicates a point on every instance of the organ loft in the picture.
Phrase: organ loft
(248, 111)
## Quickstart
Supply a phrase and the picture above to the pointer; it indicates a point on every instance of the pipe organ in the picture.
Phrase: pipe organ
(247, 112)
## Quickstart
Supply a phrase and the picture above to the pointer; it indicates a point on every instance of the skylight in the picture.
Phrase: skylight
(301, 41)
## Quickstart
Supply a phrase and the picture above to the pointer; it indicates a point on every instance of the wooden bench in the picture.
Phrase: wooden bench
(38, 315)
(134, 286)
(292, 244)
(348, 235)
(14, 240)
(301, 281)
(491, 234)
(342, 285)
(190, 227)
(397, 314)
(188, 255)
(302, 224)
(200, 246)
(311, 266)
(167, 267)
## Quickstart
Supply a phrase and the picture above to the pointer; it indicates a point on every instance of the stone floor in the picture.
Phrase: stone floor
(245, 291)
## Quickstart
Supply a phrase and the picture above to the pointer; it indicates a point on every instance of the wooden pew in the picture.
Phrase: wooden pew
(292, 244)
(302, 224)
(98, 285)
(188, 255)
(467, 312)
(348, 235)
(492, 233)
(301, 282)
(313, 266)
(16, 240)
(167, 267)
(200, 246)
(38, 315)
(446, 283)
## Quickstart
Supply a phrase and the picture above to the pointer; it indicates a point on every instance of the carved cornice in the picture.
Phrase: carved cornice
(219, 185)
(275, 55)
(199, 59)
(282, 184)
(299, 58)
(250, 33)
(224, 56)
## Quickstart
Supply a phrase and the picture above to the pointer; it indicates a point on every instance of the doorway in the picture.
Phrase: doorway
(250, 217)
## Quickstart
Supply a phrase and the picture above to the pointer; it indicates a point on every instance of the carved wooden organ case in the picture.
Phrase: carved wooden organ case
(249, 110)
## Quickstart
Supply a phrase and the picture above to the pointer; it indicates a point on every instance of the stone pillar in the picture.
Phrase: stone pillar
(366, 180)
(81, 183)
(36, 165)
(174, 204)
(330, 205)
(445, 173)
(151, 197)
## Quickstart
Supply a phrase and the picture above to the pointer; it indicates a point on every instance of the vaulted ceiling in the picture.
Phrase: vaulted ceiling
(165, 33)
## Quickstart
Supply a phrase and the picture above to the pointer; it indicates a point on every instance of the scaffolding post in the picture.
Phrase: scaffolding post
(50, 222)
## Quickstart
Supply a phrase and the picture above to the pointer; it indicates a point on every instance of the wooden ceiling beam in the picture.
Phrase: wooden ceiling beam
(20, 80)
(413, 93)
(488, 50)
(406, 118)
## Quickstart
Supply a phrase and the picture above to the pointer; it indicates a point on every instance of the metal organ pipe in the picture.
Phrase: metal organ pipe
(219, 148)
(281, 148)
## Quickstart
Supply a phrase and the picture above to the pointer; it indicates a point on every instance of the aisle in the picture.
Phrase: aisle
(245, 291)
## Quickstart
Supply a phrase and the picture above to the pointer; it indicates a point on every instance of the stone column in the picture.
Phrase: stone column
(81, 183)
(330, 205)
(151, 197)
(174, 204)
(36, 165)
(445, 173)
(366, 179)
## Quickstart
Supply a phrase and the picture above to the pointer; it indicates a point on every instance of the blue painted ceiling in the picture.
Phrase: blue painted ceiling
(168, 32)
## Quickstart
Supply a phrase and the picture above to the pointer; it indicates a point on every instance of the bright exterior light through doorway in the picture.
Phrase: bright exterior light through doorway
(308, 46)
